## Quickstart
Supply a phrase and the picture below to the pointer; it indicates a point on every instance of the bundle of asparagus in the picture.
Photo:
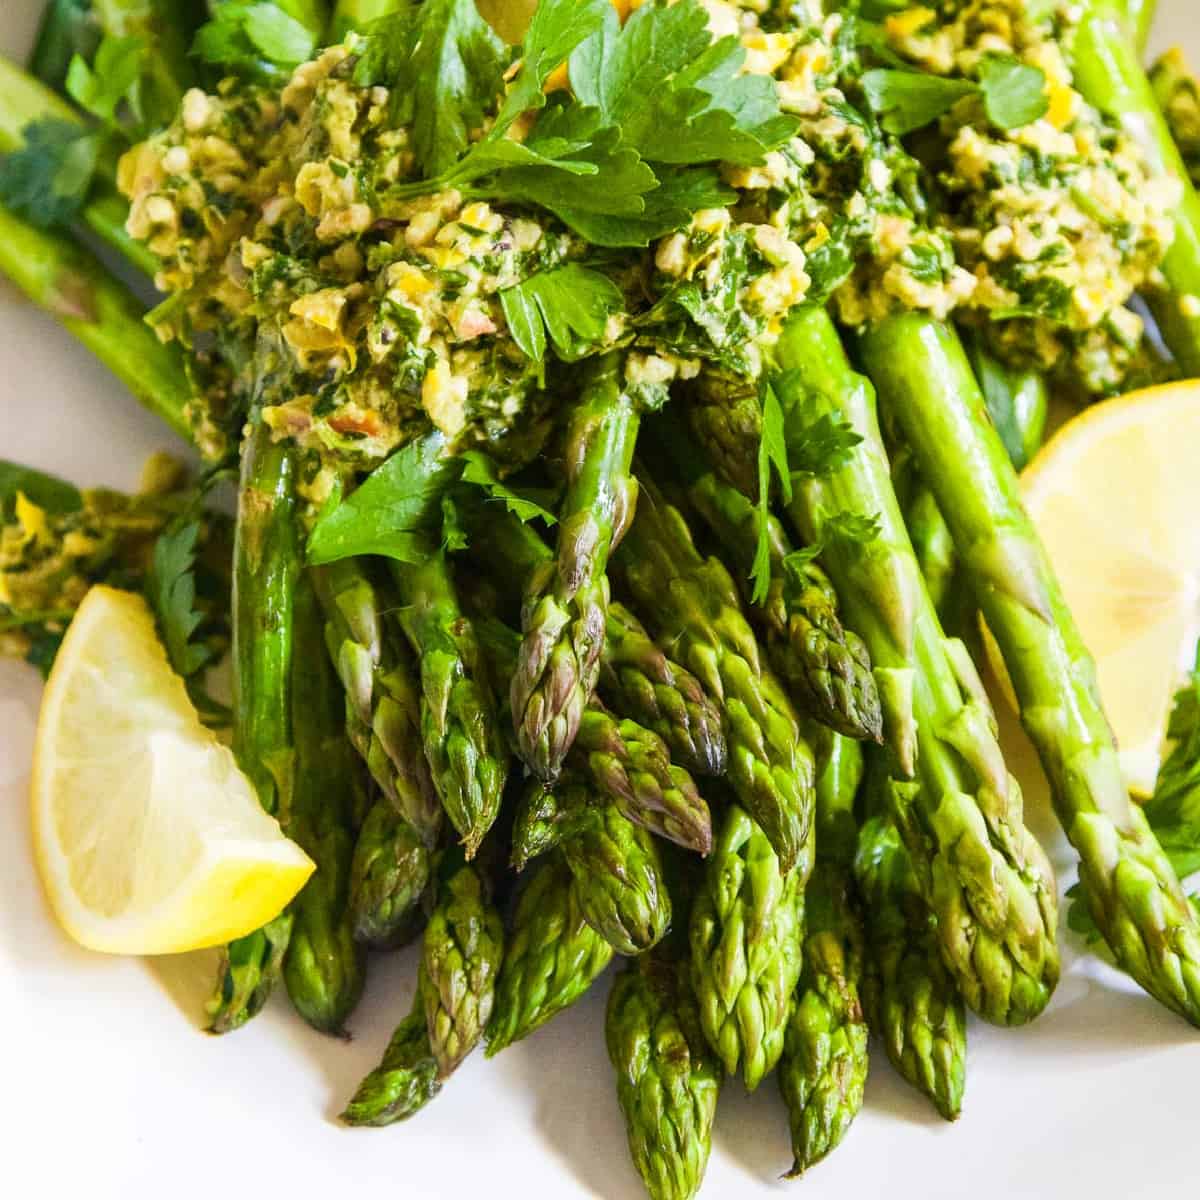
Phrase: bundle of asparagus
(583, 601)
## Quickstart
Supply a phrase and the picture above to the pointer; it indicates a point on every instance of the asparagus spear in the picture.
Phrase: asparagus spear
(1178, 94)
(1140, 15)
(404, 1082)
(619, 881)
(746, 929)
(694, 607)
(957, 806)
(383, 707)
(823, 1070)
(667, 1078)
(324, 966)
(1109, 75)
(460, 957)
(265, 581)
(388, 875)
(637, 679)
(825, 667)
(912, 1001)
(1017, 403)
(626, 764)
(1133, 893)
(631, 765)
(551, 956)
(547, 816)
(463, 744)
(725, 417)
(75, 288)
(564, 616)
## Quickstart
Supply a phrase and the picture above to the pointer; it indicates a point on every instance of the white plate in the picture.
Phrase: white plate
(108, 1089)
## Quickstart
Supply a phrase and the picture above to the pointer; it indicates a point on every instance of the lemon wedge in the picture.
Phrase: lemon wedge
(1115, 496)
(148, 838)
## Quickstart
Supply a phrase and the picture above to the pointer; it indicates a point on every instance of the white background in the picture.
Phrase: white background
(109, 1089)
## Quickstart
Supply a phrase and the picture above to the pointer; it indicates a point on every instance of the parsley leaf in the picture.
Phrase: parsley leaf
(677, 96)
(111, 81)
(128, 86)
(47, 180)
(570, 303)
(478, 469)
(171, 591)
(1014, 94)
(772, 453)
(857, 529)
(556, 28)
(821, 447)
(658, 90)
(395, 512)
(457, 70)
(1176, 798)
(908, 100)
(1174, 809)
(454, 532)
(387, 50)
(46, 491)
(794, 563)
(257, 40)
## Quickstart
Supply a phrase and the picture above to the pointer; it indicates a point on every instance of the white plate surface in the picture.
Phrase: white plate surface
(108, 1089)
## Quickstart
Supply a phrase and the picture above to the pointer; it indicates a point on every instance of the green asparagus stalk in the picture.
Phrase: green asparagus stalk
(725, 418)
(667, 1078)
(383, 704)
(1134, 895)
(460, 959)
(1017, 400)
(324, 966)
(1140, 15)
(266, 576)
(564, 617)
(825, 667)
(626, 765)
(551, 956)
(1109, 75)
(823, 1069)
(912, 1002)
(74, 287)
(632, 766)
(1018, 405)
(461, 733)
(1178, 94)
(388, 876)
(693, 604)
(546, 816)
(959, 809)
(746, 931)
(404, 1082)
(638, 680)
(619, 881)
